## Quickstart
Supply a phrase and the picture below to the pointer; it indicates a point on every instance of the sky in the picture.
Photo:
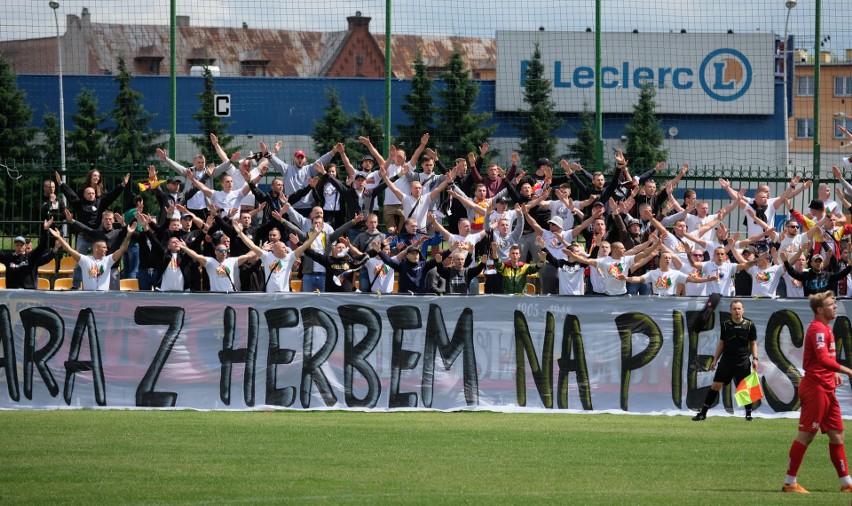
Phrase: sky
(473, 18)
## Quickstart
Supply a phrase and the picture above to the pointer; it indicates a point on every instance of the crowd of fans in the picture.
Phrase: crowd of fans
(417, 225)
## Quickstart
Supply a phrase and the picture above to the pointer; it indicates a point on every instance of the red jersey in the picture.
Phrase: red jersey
(819, 357)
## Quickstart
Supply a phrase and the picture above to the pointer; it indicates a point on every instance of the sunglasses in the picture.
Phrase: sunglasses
(795, 227)
(221, 250)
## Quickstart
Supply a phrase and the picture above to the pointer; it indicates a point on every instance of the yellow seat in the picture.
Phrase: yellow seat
(481, 287)
(2, 268)
(531, 289)
(43, 284)
(62, 284)
(131, 285)
(2, 283)
(66, 266)
(396, 286)
(295, 285)
(48, 269)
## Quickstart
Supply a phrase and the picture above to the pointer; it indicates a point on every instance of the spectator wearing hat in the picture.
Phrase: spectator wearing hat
(554, 240)
(22, 265)
(831, 234)
(410, 266)
(195, 201)
(820, 277)
(296, 175)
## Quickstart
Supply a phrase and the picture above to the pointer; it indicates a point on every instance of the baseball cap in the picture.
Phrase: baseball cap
(543, 161)
(412, 249)
(556, 220)
(185, 216)
(369, 157)
(20, 239)
(172, 180)
(818, 255)
(298, 153)
(631, 221)
(360, 174)
(598, 203)
(816, 205)
(501, 200)
(750, 249)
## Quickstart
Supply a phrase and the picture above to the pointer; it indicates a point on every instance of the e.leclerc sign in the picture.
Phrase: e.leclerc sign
(693, 73)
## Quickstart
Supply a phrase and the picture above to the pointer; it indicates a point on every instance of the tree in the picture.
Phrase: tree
(16, 132)
(366, 125)
(419, 107)
(583, 151)
(644, 133)
(131, 141)
(459, 129)
(209, 123)
(86, 140)
(335, 126)
(48, 150)
(538, 121)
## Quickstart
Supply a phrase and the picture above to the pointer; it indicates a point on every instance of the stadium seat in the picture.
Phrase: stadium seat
(48, 269)
(2, 269)
(531, 289)
(3, 283)
(131, 285)
(62, 284)
(481, 287)
(396, 286)
(295, 285)
(66, 266)
(43, 284)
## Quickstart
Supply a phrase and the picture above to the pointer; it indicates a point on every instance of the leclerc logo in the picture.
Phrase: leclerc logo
(725, 74)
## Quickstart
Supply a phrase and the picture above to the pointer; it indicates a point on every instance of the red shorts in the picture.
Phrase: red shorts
(820, 410)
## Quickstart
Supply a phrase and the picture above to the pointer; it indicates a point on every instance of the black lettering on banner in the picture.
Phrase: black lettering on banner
(677, 358)
(629, 324)
(777, 322)
(542, 372)
(402, 318)
(48, 319)
(154, 315)
(355, 355)
(695, 396)
(277, 319)
(572, 341)
(85, 324)
(313, 318)
(9, 362)
(438, 339)
(843, 342)
(228, 356)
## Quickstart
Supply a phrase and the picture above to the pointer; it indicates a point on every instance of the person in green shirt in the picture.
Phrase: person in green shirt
(514, 272)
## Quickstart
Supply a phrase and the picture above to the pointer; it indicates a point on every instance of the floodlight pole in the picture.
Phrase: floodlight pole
(599, 159)
(388, 74)
(790, 5)
(173, 79)
(55, 5)
(817, 37)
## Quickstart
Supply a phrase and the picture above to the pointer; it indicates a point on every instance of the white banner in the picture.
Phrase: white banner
(694, 73)
(238, 351)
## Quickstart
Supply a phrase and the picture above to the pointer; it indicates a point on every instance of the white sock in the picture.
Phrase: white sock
(789, 480)
(845, 480)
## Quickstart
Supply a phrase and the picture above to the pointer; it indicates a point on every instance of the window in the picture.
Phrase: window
(805, 86)
(843, 86)
(804, 128)
(845, 123)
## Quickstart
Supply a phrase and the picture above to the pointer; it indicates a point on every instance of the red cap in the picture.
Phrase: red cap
(299, 153)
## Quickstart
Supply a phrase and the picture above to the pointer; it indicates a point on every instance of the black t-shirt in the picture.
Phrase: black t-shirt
(737, 338)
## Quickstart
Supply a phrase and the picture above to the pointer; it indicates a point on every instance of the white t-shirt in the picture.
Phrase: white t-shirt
(416, 208)
(554, 246)
(765, 281)
(665, 283)
(381, 282)
(227, 200)
(795, 289)
(611, 268)
(401, 184)
(789, 246)
(752, 227)
(558, 208)
(466, 242)
(726, 272)
(96, 275)
(172, 280)
(693, 223)
(221, 275)
(571, 279)
(276, 271)
(693, 289)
